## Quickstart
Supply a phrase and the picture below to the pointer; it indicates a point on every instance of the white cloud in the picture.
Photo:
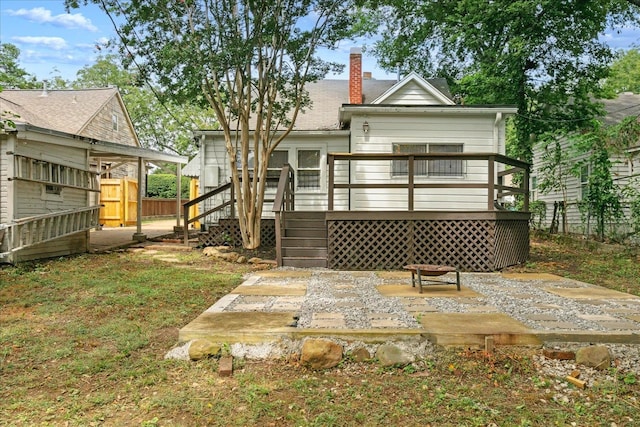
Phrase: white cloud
(57, 43)
(73, 21)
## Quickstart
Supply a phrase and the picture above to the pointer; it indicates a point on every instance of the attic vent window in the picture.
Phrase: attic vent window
(114, 121)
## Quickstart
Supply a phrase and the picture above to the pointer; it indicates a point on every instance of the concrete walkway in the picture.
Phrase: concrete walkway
(513, 309)
(110, 238)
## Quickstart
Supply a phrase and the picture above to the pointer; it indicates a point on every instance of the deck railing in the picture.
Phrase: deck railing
(284, 201)
(494, 184)
(25, 232)
(230, 201)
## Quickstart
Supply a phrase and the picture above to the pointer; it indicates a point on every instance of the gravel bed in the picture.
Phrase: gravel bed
(357, 297)
(522, 300)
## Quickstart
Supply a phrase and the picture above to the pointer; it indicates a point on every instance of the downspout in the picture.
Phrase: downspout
(496, 133)
(349, 173)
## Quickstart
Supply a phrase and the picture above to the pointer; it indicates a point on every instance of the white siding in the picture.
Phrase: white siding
(412, 94)
(32, 199)
(215, 158)
(621, 170)
(5, 146)
(68, 245)
(476, 134)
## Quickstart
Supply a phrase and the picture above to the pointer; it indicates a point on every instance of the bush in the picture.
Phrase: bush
(163, 186)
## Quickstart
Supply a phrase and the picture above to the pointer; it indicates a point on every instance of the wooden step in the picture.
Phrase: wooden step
(305, 232)
(309, 242)
(304, 223)
(305, 215)
(307, 252)
(304, 262)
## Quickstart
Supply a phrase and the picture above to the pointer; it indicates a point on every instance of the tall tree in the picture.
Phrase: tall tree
(11, 74)
(249, 59)
(625, 74)
(160, 123)
(543, 56)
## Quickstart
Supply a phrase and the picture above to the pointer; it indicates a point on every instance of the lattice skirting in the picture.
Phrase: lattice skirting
(481, 245)
(227, 232)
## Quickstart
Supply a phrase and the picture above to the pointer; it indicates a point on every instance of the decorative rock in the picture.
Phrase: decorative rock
(550, 353)
(210, 251)
(202, 349)
(390, 355)
(255, 260)
(360, 354)
(241, 259)
(320, 354)
(229, 256)
(595, 356)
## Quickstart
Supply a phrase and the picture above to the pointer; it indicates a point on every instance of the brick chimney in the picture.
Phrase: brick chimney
(355, 76)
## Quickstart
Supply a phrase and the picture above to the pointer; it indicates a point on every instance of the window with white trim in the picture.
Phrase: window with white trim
(584, 182)
(308, 170)
(277, 160)
(429, 168)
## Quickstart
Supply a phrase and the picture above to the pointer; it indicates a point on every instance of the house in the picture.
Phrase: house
(625, 171)
(51, 160)
(377, 159)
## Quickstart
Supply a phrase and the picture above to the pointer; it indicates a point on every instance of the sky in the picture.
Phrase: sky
(53, 42)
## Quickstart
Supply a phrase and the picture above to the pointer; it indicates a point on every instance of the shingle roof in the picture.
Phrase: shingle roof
(329, 95)
(626, 104)
(61, 110)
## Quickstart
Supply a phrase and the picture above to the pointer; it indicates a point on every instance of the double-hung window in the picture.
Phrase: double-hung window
(308, 170)
(278, 159)
(584, 182)
(429, 168)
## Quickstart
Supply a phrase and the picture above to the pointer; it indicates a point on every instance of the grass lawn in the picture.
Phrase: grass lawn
(82, 342)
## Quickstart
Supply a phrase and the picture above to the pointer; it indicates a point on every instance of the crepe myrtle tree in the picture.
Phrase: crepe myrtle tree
(250, 60)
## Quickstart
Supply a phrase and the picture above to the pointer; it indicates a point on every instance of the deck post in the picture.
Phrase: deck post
(411, 170)
(139, 236)
(331, 160)
(491, 177)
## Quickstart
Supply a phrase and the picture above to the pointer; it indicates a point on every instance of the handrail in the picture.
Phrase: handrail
(284, 201)
(493, 188)
(205, 196)
(285, 192)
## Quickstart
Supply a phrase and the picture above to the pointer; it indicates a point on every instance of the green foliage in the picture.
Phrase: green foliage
(602, 198)
(163, 186)
(249, 61)
(538, 209)
(11, 74)
(625, 74)
(161, 124)
(543, 56)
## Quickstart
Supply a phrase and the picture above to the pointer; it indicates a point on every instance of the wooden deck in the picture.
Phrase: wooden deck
(479, 240)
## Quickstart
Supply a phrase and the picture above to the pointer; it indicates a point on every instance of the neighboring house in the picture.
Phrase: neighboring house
(625, 170)
(382, 123)
(49, 162)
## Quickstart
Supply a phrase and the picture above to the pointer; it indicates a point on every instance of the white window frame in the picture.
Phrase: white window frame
(427, 174)
(322, 156)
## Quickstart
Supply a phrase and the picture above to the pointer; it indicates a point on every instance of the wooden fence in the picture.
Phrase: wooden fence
(152, 207)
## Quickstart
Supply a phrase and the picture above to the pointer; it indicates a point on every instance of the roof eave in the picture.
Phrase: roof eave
(347, 110)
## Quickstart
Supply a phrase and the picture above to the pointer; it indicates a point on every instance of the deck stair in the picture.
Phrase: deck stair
(304, 243)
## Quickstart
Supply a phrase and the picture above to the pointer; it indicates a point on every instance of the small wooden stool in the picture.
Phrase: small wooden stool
(431, 271)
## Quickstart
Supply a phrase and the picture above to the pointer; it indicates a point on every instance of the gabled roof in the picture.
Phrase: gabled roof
(68, 111)
(327, 96)
(428, 92)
